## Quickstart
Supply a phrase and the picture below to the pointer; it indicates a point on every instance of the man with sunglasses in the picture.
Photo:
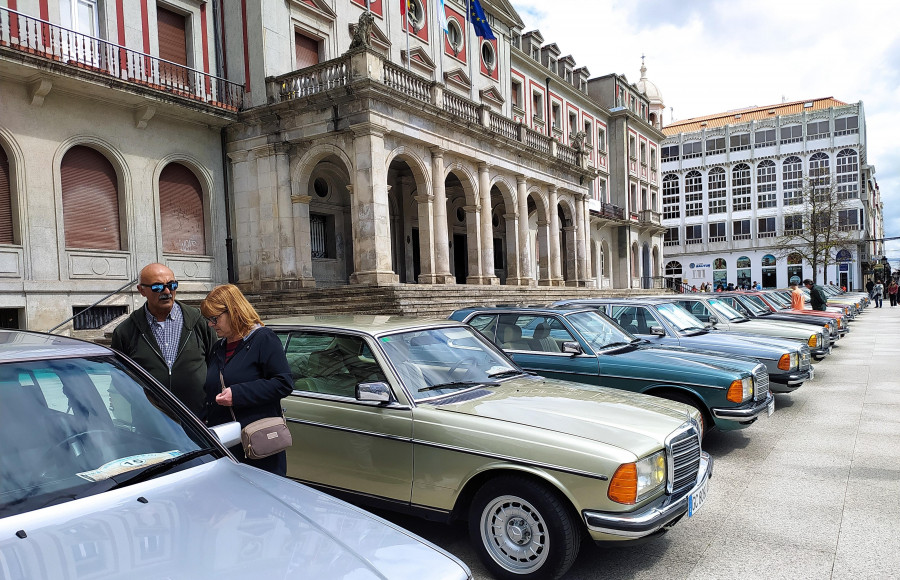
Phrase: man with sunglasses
(170, 340)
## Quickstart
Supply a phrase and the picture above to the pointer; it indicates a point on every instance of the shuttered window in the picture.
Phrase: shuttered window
(6, 220)
(90, 197)
(181, 211)
(306, 50)
(172, 37)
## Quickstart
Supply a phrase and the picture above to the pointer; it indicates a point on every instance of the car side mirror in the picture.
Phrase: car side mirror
(373, 392)
(572, 347)
(228, 434)
(713, 319)
(657, 330)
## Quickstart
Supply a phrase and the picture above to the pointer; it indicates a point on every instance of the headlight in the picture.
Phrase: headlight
(788, 361)
(813, 341)
(741, 390)
(632, 482)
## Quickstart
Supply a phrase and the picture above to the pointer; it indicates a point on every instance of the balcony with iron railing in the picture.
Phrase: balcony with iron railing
(339, 73)
(23, 35)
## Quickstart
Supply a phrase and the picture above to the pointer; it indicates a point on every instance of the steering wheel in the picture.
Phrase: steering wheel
(466, 362)
(92, 453)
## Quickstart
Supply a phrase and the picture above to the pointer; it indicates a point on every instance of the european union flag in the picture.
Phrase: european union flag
(479, 21)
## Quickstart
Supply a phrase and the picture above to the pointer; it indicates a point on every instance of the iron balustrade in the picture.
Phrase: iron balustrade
(55, 43)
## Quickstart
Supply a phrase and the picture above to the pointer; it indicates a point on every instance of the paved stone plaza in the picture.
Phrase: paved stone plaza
(811, 492)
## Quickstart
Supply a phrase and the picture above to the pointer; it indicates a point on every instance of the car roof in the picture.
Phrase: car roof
(364, 323)
(563, 309)
(19, 345)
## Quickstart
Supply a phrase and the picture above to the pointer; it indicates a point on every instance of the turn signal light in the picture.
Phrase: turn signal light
(623, 485)
(812, 342)
(736, 392)
(784, 363)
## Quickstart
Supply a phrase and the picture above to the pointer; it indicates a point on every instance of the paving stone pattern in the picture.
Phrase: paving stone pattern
(812, 492)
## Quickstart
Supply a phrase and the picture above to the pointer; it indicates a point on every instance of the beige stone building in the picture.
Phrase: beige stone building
(419, 156)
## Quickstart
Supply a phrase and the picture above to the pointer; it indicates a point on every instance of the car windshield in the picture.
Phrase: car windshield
(779, 300)
(599, 332)
(724, 310)
(678, 317)
(753, 304)
(441, 361)
(77, 426)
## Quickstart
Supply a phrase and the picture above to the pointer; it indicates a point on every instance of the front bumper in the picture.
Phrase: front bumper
(790, 381)
(651, 518)
(820, 353)
(744, 414)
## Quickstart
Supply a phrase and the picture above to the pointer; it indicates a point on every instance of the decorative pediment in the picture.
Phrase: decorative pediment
(458, 78)
(419, 59)
(318, 8)
(492, 96)
(379, 39)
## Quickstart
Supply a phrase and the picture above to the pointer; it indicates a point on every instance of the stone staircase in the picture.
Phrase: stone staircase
(413, 299)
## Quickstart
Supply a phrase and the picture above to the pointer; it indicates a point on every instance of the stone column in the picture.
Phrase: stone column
(556, 278)
(288, 277)
(571, 256)
(487, 229)
(372, 229)
(245, 218)
(426, 239)
(473, 244)
(302, 240)
(580, 252)
(439, 208)
(526, 276)
(543, 251)
(588, 244)
(512, 249)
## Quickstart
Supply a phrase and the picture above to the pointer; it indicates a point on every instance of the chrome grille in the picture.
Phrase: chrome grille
(804, 358)
(683, 449)
(761, 376)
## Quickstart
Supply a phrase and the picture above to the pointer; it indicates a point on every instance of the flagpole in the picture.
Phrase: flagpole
(469, 32)
(406, 15)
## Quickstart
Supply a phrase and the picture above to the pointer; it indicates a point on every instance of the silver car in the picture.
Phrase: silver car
(103, 474)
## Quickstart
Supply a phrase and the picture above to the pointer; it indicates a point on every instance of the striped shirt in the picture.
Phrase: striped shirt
(167, 332)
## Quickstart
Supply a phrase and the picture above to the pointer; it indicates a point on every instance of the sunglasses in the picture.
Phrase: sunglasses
(158, 287)
(214, 320)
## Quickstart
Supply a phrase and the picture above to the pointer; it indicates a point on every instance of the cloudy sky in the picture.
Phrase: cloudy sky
(710, 56)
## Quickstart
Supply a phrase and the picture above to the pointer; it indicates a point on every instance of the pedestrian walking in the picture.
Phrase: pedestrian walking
(817, 298)
(878, 293)
(869, 285)
(248, 372)
(797, 298)
(892, 292)
(168, 339)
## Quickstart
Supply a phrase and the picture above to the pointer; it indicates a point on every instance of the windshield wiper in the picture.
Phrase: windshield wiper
(453, 384)
(506, 373)
(618, 344)
(157, 468)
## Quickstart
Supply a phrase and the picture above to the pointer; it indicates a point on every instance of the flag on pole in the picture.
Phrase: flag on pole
(479, 21)
(403, 7)
(442, 17)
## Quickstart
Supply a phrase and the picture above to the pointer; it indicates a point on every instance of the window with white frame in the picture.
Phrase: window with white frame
(847, 174)
(740, 187)
(741, 230)
(601, 139)
(653, 158)
(793, 224)
(693, 194)
(715, 145)
(670, 153)
(573, 124)
(537, 105)
(556, 111)
(717, 190)
(691, 149)
(643, 153)
(674, 268)
(848, 219)
(632, 198)
(670, 197)
(693, 234)
(792, 180)
(766, 184)
(739, 142)
(601, 190)
(791, 134)
(820, 175)
(515, 94)
(671, 237)
(764, 137)
(588, 133)
(846, 125)
(455, 36)
(817, 130)
(632, 149)
(766, 227)
(717, 232)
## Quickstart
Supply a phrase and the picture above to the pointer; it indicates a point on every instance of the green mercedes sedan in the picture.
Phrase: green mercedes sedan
(428, 417)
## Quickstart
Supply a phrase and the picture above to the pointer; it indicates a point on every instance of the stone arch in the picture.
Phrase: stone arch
(463, 225)
(417, 165)
(302, 169)
(204, 176)
(467, 178)
(407, 178)
(504, 229)
(123, 184)
(634, 268)
(507, 189)
(646, 271)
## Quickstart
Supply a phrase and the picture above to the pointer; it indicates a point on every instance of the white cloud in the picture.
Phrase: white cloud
(708, 56)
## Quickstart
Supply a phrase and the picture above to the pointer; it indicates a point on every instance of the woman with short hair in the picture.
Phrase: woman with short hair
(248, 372)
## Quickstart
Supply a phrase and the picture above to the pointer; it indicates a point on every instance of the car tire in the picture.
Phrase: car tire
(523, 529)
(705, 423)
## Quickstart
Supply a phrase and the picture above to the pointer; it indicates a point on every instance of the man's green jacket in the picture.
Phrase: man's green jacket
(817, 298)
(134, 338)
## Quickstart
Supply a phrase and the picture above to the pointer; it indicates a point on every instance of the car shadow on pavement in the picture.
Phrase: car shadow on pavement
(720, 442)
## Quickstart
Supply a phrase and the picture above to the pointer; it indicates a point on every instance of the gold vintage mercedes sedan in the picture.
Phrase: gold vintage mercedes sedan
(429, 417)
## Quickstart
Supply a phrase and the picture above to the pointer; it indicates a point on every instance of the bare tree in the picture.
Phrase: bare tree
(820, 224)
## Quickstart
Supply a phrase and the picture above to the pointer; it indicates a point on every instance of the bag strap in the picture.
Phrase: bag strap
(222, 381)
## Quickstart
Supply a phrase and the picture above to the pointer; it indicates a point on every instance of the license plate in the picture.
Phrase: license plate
(771, 407)
(696, 499)
(812, 373)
